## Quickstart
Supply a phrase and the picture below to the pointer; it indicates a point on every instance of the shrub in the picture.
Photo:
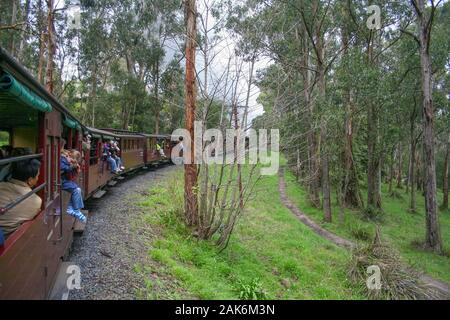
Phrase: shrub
(398, 282)
(251, 291)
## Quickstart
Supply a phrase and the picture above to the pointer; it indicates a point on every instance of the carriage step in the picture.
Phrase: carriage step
(60, 291)
(99, 194)
(79, 226)
(112, 183)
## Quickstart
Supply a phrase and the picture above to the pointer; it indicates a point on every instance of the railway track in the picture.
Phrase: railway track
(110, 246)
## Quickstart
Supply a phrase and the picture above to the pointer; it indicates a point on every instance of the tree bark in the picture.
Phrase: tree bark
(313, 159)
(51, 47)
(41, 26)
(400, 166)
(373, 168)
(433, 236)
(391, 171)
(24, 36)
(190, 170)
(12, 42)
(158, 107)
(412, 204)
(445, 178)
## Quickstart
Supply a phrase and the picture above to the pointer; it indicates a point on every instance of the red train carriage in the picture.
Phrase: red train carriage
(33, 119)
(139, 149)
(132, 146)
(132, 150)
(97, 171)
(152, 154)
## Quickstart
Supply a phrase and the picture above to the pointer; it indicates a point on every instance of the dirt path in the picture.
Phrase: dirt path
(441, 286)
(109, 248)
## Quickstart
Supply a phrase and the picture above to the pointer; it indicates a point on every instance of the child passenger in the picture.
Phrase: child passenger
(71, 167)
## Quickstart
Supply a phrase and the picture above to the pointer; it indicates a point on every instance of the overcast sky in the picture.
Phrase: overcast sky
(222, 53)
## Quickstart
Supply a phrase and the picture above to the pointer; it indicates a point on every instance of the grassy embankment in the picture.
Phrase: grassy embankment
(400, 228)
(270, 253)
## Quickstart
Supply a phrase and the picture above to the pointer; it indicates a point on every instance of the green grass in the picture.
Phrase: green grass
(270, 252)
(400, 228)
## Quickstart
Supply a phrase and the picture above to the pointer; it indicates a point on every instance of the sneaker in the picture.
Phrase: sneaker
(122, 168)
(76, 213)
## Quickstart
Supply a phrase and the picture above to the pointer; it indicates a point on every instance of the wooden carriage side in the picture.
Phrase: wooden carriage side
(31, 256)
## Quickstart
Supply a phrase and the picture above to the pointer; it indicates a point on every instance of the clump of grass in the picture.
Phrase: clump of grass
(398, 282)
(373, 214)
(361, 232)
(252, 290)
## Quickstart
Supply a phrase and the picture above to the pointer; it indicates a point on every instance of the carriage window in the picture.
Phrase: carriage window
(4, 138)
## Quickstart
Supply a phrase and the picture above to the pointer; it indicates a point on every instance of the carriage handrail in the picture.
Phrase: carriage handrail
(21, 158)
(19, 200)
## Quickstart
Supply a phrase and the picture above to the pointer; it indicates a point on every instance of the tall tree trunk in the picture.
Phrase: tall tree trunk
(373, 195)
(391, 171)
(433, 235)
(400, 166)
(239, 169)
(445, 178)
(373, 168)
(326, 188)
(24, 36)
(12, 41)
(42, 37)
(412, 159)
(51, 46)
(313, 159)
(350, 188)
(93, 92)
(158, 107)
(190, 170)
(412, 203)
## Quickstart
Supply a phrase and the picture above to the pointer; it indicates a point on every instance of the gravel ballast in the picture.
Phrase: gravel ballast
(109, 249)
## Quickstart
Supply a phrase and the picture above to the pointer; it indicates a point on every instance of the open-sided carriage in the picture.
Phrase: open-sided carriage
(34, 120)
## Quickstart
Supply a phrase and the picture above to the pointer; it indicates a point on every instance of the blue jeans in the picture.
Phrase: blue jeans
(118, 162)
(76, 198)
(112, 163)
(2, 238)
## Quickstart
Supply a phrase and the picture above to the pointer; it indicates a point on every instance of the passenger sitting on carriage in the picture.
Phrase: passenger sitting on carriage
(25, 176)
(107, 155)
(71, 167)
(115, 155)
(160, 149)
(5, 171)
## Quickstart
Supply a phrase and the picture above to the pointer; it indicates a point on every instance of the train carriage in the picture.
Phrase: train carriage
(132, 148)
(97, 170)
(33, 119)
(152, 155)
